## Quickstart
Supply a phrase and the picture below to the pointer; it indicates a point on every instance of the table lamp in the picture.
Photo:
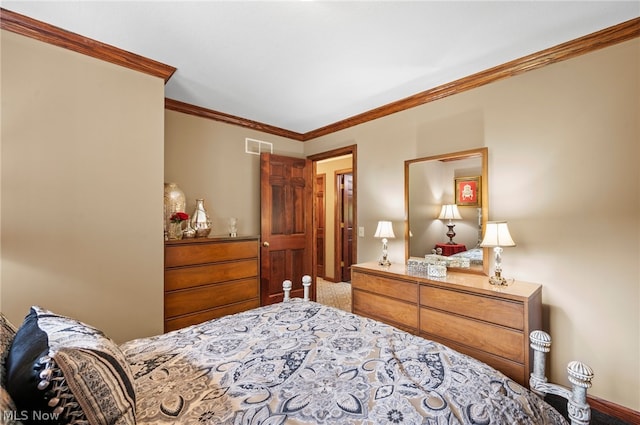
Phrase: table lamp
(497, 235)
(384, 231)
(450, 212)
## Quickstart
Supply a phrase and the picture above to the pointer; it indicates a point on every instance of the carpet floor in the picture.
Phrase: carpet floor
(334, 294)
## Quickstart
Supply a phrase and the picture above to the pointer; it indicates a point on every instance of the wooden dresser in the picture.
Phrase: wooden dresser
(462, 311)
(206, 278)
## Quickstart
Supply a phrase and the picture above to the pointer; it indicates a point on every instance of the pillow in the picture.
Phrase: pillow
(8, 413)
(7, 332)
(68, 372)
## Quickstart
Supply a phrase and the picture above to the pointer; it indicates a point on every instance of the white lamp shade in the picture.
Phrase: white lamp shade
(497, 234)
(449, 212)
(384, 230)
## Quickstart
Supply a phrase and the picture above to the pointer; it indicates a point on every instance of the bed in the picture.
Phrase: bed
(463, 260)
(295, 362)
(473, 255)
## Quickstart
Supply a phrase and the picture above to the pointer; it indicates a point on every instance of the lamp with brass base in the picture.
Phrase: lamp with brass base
(497, 235)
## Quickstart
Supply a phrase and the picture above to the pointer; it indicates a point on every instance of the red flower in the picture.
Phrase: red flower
(179, 216)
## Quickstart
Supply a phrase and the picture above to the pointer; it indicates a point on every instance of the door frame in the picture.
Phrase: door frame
(353, 150)
(338, 233)
(319, 208)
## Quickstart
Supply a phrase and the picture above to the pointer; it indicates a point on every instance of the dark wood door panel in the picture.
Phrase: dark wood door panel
(320, 221)
(286, 202)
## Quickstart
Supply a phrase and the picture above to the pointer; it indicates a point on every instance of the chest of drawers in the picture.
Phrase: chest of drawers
(462, 311)
(388, 297)
(208, 278)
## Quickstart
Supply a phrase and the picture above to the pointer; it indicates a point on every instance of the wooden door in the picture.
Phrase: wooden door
(345, 213)
(320, 224)
(286, 204)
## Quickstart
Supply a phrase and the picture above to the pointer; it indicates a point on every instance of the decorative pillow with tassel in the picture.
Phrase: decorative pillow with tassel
(8, 413)
(62, 371)
(7, 333)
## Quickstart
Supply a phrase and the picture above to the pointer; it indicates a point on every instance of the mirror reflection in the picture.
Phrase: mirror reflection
(446, 208)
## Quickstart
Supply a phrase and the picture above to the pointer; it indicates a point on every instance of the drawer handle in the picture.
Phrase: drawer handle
(265, 244)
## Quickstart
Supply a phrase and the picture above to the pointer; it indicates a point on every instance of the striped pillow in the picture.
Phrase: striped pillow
(69, 372)
(7, 333)
(7, 406)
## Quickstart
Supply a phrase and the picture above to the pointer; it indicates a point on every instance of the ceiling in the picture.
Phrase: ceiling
(303, 65)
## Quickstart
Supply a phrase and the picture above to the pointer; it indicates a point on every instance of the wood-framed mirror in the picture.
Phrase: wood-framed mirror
(457, 178)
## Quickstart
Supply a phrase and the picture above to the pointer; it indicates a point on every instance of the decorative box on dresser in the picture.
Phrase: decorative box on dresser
(462, 311)
(206, 278)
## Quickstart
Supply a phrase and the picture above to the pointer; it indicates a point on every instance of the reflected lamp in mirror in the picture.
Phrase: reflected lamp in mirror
(496, 236)
(450, 212)
(384, 231)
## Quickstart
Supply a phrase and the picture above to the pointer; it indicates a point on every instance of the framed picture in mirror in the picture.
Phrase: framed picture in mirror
(467, 191)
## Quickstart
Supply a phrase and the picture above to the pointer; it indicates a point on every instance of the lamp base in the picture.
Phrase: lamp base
(498, 281)
(384, 260)
(450, 234)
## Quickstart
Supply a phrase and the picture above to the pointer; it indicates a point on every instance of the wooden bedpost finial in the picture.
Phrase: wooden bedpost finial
(306, 283)
(286, 287)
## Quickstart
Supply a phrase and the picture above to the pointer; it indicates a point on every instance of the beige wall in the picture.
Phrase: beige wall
(207, 160)
(81, 189)
(563, 170)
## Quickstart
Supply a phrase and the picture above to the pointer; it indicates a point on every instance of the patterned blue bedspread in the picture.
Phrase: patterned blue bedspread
(474, 255)
(306, 363)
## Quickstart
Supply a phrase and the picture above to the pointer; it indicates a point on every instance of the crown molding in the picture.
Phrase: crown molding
(28, 27)
(47, 33)
(187, 108)
(589, 43)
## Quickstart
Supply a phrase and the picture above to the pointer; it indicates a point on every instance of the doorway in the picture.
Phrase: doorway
(335, 205)
(344, 225)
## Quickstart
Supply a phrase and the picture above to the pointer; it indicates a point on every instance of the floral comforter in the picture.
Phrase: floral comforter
(306, 363)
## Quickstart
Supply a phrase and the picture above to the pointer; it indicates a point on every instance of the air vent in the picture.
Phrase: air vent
(256, 147)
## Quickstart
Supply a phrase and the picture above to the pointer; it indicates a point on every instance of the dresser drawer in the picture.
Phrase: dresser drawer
(513, 370)
(462, 311)
(502, 312)
(188, 277)
(398, 313)
(406, 291)
(174, 323)
(201, 253)
(209, 296)
(207, 278)
(503, 342)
